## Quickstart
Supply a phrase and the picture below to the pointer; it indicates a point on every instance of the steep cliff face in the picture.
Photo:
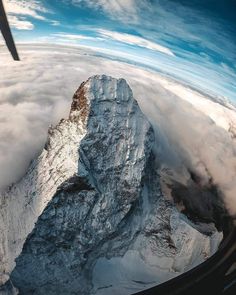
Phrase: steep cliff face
(103, 224)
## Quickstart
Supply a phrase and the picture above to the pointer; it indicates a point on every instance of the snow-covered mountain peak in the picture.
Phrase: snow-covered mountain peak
(96, 90)
(115, 135)
(106, 88)
(93, 199)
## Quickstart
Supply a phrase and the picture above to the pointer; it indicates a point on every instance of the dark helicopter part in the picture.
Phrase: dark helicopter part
(6, 32)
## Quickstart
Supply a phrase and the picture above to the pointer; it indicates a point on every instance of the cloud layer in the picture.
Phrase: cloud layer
(37, 92)
(141, 31)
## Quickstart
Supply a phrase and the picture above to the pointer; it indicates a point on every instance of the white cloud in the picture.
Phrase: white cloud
(55, 23)
(27, 8)
(75, 37)
(134, 40)
(37, 91)
(20, 23)
(66, 39)
(116, 36)
(126, 11)
(20, 10)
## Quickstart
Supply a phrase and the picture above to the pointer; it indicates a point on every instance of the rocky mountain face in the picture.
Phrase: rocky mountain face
(90, 217)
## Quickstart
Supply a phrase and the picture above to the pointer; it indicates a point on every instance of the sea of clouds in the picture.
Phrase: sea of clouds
(37, 92)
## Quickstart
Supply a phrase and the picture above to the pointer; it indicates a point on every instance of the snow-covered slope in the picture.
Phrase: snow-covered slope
(24, 201)
(96, 198)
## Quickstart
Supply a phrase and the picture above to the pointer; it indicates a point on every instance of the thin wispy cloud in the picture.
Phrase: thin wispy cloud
(55, 23)
(19, 11)
(20, 23)
(30, 8)
(76, 37)
(126, 11)
(22, 13)
(134, 40)
(116, 36)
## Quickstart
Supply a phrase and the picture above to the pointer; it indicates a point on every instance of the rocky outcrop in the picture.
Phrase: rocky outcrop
(95, 194)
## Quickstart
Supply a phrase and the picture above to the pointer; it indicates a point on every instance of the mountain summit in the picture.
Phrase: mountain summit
(89, 217)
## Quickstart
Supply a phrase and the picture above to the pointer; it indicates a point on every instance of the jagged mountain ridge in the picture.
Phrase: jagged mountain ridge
(99, 193)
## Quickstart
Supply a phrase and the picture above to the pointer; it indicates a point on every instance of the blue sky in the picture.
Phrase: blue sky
(193, 41)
